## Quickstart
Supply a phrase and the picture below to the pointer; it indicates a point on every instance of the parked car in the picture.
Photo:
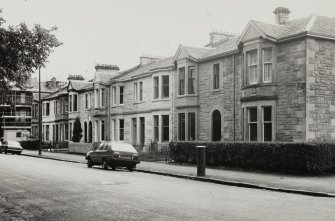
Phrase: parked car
(13, 147)
(113, 154)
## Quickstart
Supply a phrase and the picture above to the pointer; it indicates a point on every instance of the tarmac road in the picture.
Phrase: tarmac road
(42, 189)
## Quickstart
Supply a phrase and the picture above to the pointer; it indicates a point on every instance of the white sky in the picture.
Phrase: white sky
(120, 31)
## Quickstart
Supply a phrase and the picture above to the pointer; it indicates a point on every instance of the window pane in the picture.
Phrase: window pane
(102, 97)
(114, 95)
(267, 131)
(156, 87)
(141, 91)
(182, 126)
(216, 71)
(165, 128)
(191, 80)
(252, 66)
(267, 113)
(156, 125)
(253, 131)
(252, 114)
(102, 130)
(121, 95)
(135, 91)
(75, 102)
(121, 124)
(191, 126)
(181, 81)
(165, 90)
(268, 72)
(267, 55)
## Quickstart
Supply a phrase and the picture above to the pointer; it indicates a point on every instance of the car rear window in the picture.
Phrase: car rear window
(123, 147)
(13, 143)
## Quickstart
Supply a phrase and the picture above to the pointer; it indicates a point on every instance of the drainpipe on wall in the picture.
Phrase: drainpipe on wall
(172, 105)
(233, 97)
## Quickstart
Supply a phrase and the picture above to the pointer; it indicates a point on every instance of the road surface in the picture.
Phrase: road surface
(42, 189)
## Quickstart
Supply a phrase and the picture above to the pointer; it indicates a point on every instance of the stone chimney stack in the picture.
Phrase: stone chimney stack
(106, 68)
(216, 36)
(281, 15)
(147, 59)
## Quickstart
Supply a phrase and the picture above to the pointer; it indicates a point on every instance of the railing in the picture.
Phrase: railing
(15, 114)
(16, 99)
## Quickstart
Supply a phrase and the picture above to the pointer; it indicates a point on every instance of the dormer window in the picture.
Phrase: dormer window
(252, 66)
(267, 65)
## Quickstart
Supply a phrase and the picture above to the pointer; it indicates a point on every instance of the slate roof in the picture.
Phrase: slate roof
(139, 70)
(195, 52)
(314, 24)
(58, 93)
(80, 85)
(36, 96)
(225, 46)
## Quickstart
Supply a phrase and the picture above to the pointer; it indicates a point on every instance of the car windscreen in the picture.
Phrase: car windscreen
(124, 147)
(14, 143)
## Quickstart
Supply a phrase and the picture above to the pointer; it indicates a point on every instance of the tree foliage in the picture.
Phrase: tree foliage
(22, 52)
(77, 130)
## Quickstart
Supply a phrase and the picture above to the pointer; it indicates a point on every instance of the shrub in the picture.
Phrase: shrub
(282, 157)
(33, 144)
(77, 131)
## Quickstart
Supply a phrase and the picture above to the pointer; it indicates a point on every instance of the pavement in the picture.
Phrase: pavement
(318, 186)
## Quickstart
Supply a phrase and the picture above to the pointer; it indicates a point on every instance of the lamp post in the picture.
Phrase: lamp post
(39, 112)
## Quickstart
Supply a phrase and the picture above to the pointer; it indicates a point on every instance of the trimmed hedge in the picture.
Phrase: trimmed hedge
(33, 144)
(310, 158)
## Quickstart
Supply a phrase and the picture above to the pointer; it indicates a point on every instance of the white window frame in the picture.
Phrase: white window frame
(102, 100)
(267, 63)
(140, 88)
(135, 92)
(264, 122)
(252, 65)
(253, 122)
(114, 96)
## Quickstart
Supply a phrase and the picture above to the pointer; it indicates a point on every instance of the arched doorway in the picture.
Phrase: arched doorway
(85, 132)
(216, 126)
(90, 132)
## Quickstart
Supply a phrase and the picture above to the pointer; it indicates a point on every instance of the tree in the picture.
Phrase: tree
(22, 52)
(77, 131)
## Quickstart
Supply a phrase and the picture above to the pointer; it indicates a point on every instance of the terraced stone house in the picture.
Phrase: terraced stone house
(274, 82)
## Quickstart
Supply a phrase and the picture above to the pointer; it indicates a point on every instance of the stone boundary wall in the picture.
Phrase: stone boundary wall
(80, 147)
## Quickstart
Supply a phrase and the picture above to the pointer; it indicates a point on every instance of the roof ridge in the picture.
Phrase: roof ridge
(311, 22)
(186, 46)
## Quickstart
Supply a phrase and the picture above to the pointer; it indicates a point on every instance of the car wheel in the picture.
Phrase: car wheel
(113, 168)
(89, 163)
(131, 169)
(104, 164)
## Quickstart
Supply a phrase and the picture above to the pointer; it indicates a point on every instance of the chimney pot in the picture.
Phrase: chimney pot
(281, 15)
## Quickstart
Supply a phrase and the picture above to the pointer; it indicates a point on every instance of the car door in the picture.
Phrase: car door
(101, 152)
(94, 154)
